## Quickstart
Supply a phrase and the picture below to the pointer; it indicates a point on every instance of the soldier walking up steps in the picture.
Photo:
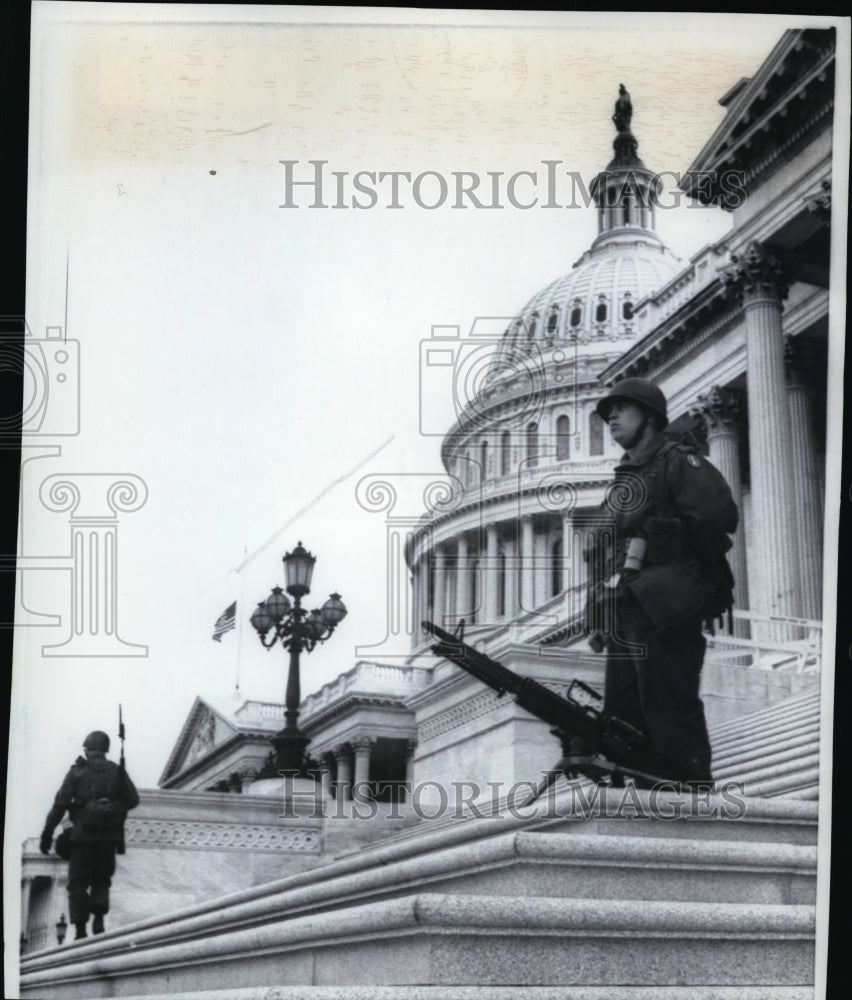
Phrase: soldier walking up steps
(96, 793)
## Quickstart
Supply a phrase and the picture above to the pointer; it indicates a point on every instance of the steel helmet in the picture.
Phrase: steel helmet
(96, 740)
(635, 390)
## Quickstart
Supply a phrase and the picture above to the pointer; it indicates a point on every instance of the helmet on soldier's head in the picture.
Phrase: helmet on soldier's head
(635, 390)
(96, 740)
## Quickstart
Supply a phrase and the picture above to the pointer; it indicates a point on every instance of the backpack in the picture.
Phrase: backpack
(688, 434)
(98, 793)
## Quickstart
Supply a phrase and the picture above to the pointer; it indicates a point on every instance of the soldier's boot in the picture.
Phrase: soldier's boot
(98, 924)
(80, 931)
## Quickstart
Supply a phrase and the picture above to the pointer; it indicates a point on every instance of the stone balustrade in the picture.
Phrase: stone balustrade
(368, 678)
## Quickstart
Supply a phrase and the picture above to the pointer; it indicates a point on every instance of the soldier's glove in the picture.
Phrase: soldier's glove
(45, 843)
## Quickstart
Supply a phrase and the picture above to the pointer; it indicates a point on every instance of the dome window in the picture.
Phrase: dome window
(532, 326)
(474, 589)
(553, 321)
(627, 310)
(576, 317)
(469, 470)
(600, 312)
(596, 436)
(563, 439)
(505, 452)
(556, 583)
(532, 444)
(483, 461)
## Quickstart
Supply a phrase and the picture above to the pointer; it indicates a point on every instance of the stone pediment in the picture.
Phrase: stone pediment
(206, 727)
(791, 92)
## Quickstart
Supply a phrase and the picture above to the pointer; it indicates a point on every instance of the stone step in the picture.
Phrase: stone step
(582, 807)
(527, 863)
(449, 939)
(790, 784)
(773, 766)
(769, 733)
(780, 750)
(494, 993)
(779, 711)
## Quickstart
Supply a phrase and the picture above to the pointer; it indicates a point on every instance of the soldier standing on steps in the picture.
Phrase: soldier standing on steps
(662, 574)
(97, 794)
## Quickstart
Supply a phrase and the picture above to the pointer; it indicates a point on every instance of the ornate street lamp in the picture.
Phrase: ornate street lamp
(61, 929)
(296, 629)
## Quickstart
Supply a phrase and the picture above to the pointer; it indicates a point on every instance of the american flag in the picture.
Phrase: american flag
(225, 622)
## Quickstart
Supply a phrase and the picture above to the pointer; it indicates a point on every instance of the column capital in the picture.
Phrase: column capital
(804, 361)
(720, 408)
(341, 751)
(362, 743)
(755, 273)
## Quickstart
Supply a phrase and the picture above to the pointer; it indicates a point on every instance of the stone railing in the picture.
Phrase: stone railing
(259, 710)
(701, 271)
(368, 678)
(776, 643)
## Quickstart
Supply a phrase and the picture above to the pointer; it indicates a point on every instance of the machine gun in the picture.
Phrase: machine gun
(598, 746)
(122, 847)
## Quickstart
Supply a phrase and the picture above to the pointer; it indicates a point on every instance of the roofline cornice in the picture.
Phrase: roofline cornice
(727, 152)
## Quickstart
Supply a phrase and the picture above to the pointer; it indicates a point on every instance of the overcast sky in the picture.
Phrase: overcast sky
(240, 357)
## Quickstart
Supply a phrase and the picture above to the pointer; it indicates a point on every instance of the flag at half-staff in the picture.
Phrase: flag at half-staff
(225, 622)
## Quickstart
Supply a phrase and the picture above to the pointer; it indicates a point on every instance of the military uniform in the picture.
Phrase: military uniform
(681, 508)
(97, 794)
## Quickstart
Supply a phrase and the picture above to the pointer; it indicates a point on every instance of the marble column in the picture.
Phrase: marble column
(756, 277)
(326, 764)
(344, 771)
(721, 410)
(510, 549)
(464, 597)
(410, 748)
(439, 596)
(527, 564)
(491, 576)
(804, 367)
(541, 590)
(26, 892)
(362, 747)
(568, 567)
(416, 602)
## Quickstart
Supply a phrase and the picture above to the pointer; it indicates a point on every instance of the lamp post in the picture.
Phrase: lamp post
(297, 630)
(61, 929)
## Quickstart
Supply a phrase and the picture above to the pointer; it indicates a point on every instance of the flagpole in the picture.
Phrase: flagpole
(240, 604)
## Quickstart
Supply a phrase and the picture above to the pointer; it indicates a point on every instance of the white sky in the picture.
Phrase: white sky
(240, 357)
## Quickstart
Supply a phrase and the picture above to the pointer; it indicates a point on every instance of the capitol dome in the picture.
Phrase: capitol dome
(595, 300)
(528, 456)
(549, 355)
